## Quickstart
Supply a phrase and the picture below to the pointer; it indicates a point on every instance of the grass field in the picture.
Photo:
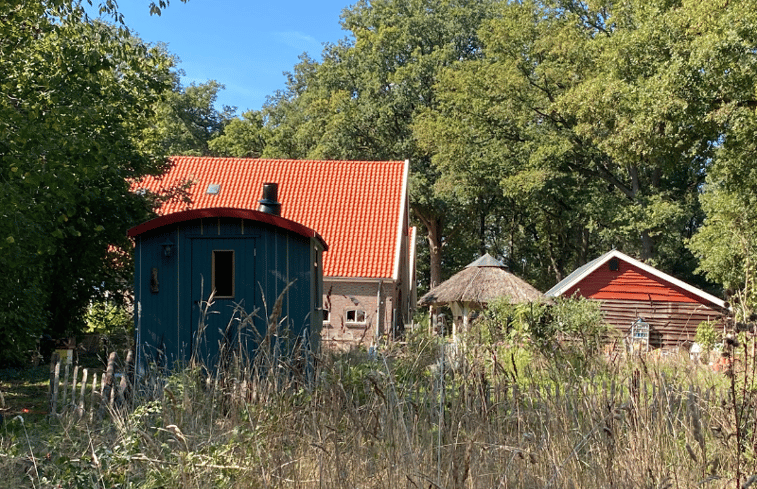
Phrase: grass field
(24, 391)
(489, 417)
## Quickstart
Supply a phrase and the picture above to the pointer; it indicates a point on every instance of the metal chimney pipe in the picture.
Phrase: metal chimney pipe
(269, 203)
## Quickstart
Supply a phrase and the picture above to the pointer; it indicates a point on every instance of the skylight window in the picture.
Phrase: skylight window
(213, 189)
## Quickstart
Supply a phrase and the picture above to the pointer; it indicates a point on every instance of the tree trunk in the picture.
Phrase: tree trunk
(482, 233)
(647, 246)
(435, 251)
(433, 225)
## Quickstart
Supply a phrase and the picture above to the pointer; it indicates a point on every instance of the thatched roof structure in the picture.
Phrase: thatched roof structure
(481, 282)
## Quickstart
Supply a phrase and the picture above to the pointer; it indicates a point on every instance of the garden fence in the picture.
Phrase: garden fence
(87, 392)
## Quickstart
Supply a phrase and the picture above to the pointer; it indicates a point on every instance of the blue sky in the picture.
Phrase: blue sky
(244, 44)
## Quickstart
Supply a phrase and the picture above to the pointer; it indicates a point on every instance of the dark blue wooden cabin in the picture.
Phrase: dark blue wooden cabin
(246, 258)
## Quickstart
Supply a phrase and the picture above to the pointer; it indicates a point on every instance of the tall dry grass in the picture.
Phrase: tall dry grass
(416, 415)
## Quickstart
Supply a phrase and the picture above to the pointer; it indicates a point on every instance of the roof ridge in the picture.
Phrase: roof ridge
(244, 159)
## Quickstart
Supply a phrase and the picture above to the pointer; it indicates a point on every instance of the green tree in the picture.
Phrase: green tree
(187, 118)
(76, 97)
(726, 243)
(597, 119)
(243, 137)
(361, 101)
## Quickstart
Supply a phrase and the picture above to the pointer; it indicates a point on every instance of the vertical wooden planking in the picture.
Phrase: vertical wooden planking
(54, 375)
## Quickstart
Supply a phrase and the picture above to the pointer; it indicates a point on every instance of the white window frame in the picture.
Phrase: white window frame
(356, 321)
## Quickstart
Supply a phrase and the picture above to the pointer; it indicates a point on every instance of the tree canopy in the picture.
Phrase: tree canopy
(187, 119)
(361, 100)
(76, 97)
(547, 131)
(544, 131)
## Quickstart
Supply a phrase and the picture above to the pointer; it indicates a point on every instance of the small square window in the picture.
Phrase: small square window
(213, 188)
(326, 316)
(355, 317)
(223, 273)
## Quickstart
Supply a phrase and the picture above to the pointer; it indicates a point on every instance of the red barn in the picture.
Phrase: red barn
(629, 290)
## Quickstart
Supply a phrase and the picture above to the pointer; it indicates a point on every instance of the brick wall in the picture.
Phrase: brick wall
(345, 329)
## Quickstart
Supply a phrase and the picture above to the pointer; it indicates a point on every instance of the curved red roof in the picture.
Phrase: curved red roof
(356, 206)
(263, 217)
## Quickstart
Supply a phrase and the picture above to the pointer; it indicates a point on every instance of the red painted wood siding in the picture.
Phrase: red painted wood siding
(672, 323)
(629, 283)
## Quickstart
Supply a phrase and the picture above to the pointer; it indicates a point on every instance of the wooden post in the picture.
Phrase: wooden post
(124, 389)
(65, 387)
(107, 382)
(54, 375)
(80, 409)
(93, 403)
(73, 385)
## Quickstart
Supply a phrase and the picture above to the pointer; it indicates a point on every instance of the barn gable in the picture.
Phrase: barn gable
(629, 282)
(629, 289)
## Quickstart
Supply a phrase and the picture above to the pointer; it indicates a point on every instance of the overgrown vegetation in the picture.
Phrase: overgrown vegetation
(507, 407)
(567, 331)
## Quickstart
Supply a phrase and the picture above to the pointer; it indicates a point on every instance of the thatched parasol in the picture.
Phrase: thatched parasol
(479, 283)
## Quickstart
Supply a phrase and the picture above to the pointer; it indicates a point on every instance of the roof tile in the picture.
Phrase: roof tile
(353, 205)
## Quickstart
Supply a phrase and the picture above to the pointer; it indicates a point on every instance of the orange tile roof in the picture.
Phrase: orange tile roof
(355, 205)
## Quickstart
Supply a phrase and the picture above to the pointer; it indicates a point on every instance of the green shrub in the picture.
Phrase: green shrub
(569, 330)
(707, 336)
(113, 323)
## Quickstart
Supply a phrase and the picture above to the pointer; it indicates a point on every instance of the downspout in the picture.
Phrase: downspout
(379, 315)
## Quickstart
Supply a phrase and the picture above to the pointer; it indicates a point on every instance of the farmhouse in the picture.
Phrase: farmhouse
(360, 208)
(631, 292)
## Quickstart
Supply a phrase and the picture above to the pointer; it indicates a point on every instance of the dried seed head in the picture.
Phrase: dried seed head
(691, 453)
(731, 341)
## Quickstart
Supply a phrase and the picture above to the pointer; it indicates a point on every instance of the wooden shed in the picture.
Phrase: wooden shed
(246, 258)
(633, 293)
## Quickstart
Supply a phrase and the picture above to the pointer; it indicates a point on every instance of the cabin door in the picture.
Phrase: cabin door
(223, 294)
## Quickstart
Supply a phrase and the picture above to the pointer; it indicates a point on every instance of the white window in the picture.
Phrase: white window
(354, 317)
(326, 316)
